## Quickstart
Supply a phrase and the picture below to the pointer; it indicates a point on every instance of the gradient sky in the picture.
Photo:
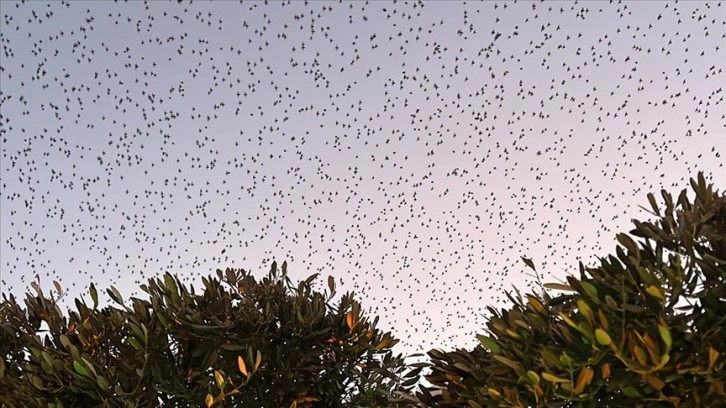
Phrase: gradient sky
(414, 151)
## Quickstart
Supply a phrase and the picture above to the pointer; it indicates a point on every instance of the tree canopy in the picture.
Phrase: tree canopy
(645, 328)
(241, 342)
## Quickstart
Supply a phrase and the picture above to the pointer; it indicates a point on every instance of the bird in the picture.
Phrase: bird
(417, 152)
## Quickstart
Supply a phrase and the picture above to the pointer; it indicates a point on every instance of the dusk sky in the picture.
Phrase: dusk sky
(414, 151)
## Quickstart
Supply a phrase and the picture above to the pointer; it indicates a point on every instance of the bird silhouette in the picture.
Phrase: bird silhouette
(415, 151)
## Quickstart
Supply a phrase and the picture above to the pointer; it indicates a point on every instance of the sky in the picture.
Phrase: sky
(413, 151)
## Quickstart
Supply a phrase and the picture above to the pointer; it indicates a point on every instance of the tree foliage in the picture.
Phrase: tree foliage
(241, 342)
(645, 328)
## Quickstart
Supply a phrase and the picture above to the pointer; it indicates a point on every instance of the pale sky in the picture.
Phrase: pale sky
(414, 151)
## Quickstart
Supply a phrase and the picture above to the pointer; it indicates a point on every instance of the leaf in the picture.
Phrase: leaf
(219, 379)
(115, 295)
(553, 378)
(628, 243)
(209, 400)
(605, 370)
(568, 320)
(602, 337)
(583, 380)
(631, 392)
(65, 341)
(258, 360)
(665, 334)
(712, 357)
(489, 343)
(536, 304)
(585, 310)
(655, 382)
(654, 291)
(231, 347)
(57, 287)
(331, 286)
(590, 289)
(529, 263)
(533, 377)
(94, 295)
(640, 355)
(135, 343)
(653, 204)
(80, 369)
(509, 363)
(241, 365)
(103, 382)
(349, 320)
(559, 286)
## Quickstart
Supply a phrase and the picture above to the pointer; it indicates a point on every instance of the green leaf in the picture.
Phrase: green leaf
(80, 369)
(489, 343)
(135, 343)
(631, 392)
(103, 382)
(590, 289)
(665, 334)
(533, 377)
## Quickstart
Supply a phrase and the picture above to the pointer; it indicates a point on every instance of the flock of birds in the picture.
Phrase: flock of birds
(413, 150)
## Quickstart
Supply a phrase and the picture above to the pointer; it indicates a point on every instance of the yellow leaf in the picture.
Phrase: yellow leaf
(639, 354)
(654, 291)
(665, 334)
(602, 337)
(583, 380)
(219, 378)
(603, 320)
(513, 334)
(242, 366)
(585, 310)
(568, 320)
(493, 393)
(553, 378)
(536, 304)
(209, 401)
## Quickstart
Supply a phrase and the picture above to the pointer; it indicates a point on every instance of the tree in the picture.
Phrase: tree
(240, 342)
(645, 328)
